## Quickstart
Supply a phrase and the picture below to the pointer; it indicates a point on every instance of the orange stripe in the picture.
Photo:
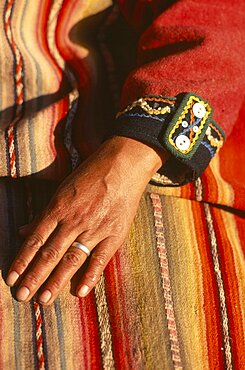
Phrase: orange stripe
(231, 289)
(241, 231)
(188, 191)
(211, 305)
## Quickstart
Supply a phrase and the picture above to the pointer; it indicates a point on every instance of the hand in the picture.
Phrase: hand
(95, 206)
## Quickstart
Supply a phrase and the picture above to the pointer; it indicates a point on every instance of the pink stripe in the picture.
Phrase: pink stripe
(19, 85)
(166, 283)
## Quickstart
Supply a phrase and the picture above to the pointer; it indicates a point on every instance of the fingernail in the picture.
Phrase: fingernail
(12, 278)
(22, 293)
(83, 291)
(45, 296)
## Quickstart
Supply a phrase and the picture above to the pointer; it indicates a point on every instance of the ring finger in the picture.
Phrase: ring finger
(70, 263)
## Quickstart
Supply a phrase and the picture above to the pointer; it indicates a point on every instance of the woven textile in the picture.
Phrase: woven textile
(172, 297)
(45, 70)
(62, 64)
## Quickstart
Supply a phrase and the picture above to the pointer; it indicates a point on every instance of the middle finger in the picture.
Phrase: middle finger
(71, 262)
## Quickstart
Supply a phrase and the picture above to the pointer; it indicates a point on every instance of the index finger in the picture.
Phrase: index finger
(44, 228)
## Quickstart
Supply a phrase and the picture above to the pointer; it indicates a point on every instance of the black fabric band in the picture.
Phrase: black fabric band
(181, 125)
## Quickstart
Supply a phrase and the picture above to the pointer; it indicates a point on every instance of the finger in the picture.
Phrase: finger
(70, 263)
(99, 259)
(29, 248)
(44, 263)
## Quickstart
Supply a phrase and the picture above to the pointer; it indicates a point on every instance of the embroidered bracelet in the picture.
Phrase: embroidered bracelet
(182, 125)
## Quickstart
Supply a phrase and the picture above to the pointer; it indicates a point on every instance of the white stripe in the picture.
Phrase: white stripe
(104, 325)
(219, 280)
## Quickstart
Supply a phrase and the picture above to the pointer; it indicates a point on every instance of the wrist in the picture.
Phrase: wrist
(143, 158)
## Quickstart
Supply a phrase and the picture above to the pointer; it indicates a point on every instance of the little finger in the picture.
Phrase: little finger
(99, 259)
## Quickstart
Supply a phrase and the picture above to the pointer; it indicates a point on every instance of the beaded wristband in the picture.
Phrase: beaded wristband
(182, 125)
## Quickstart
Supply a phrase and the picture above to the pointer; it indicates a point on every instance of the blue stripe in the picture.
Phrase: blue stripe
(187, 129)
(143, 115)
(60, 330)
(211, 150)
(17, 339)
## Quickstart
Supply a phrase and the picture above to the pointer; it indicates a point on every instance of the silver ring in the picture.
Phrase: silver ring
(81, 247)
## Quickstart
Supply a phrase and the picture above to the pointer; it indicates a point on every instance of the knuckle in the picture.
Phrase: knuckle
(31, 279)
(34, 242)
(55, 285)
(48, 216)
(100, 258)
(20, 264)
(72, 259)
(91, 278)
(50, 254)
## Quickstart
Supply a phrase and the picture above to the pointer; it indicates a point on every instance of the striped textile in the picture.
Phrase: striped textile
(43, 69)
(172, 297)
(56, 86)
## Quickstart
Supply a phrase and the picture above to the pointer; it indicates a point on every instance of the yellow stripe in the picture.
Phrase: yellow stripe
(186, 278)
(144, 291)
(239, 262)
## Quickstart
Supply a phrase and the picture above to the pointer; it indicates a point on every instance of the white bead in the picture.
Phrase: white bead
(199, 110)
(195, 129)
(185, 124)
(182, 142)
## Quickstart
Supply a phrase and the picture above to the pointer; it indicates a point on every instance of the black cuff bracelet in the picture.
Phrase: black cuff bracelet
(181, 125)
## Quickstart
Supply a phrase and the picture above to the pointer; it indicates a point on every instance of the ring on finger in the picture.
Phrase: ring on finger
(82, 247)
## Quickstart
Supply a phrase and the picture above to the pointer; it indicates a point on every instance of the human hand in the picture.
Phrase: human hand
(95, 206)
